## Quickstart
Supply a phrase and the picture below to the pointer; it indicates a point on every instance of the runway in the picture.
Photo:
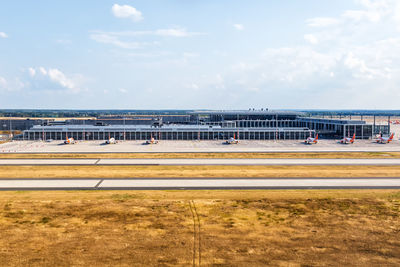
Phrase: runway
(109, 162)
(199, 183)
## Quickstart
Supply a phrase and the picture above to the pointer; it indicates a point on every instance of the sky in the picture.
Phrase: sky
(200, 54)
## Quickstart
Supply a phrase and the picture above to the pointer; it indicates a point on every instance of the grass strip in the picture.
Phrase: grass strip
(327, 155)
(206, 171)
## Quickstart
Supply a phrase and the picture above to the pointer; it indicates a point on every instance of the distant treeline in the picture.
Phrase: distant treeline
(38, 113)
(352, 112)
(83, 113)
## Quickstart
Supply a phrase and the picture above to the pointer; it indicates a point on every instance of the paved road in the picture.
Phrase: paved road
(200, 161)
(198, 183)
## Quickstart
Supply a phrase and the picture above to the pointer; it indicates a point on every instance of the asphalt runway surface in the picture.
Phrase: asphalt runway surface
(199, 183)
(110, 162)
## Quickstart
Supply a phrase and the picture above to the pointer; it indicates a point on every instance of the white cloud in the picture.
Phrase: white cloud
(170, 32)
(219, 82)
(343, 63)
(396, 15)
(358, 15)
(238, 27)
(43, 70)
(295, 64)
(173, 32)
(11, 85)
(3, 35)
(142, 55)
(106, 38)
(57, 76)
(126, 11)
(123, 90)
(357, 56)
(192, 86)
(129, 39)
(3, 82)
(311, 39)
(42, 75)
(372, 11)
(32, 72)
(361, 70)
(322, 22)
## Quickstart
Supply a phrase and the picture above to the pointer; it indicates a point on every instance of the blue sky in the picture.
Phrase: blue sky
(184, 54)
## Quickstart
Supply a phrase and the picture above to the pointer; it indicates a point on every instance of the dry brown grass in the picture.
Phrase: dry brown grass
(328, 155)
(237, 228)
(196, 171)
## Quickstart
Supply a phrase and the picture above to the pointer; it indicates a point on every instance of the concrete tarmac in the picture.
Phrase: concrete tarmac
(199, 183)
(390, 161)
(196, 147)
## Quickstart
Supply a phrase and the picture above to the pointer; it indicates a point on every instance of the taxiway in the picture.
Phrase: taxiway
(199, 183)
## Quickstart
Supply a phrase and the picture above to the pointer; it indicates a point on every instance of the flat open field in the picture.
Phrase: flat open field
(196, 171)
(197, 146)
(223, 228)
(233, 155)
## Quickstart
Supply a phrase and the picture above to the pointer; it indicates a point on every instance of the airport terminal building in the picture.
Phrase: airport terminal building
(168, 132)
(206, 125)
(326, 128)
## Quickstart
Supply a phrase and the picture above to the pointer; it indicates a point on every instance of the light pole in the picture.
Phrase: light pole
(124, 130)
(11, 135)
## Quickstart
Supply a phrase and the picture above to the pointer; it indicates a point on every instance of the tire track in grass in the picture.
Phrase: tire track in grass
(199, 232)
(196, 235)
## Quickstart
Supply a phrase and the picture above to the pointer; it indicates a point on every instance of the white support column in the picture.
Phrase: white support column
(362, 132)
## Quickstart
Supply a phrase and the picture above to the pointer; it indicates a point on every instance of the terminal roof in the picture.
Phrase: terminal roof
(247, 112)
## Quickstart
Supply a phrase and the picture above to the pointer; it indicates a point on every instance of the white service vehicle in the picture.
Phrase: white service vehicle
(152, 141)
(111, 141)
(232, 141)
